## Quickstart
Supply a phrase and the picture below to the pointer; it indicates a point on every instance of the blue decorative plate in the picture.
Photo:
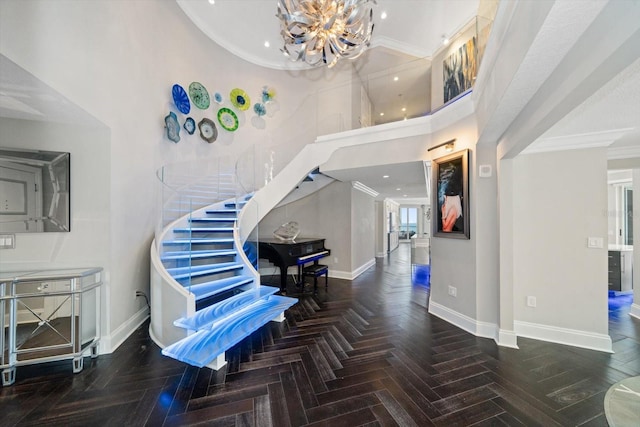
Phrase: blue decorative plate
(172, 126)
(259, 109)
(181, 99)
(199, 95)
(189, 125)
(228, 119)
(217, 97)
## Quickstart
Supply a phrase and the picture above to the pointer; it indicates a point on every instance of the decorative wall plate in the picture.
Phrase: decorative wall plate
(268, 93)
(240, 99)
(189, 125)
(199, 95)
(181, 99)
(228, 119)
(208, 130)
(259, 109)
(172, 126)
(217, 97)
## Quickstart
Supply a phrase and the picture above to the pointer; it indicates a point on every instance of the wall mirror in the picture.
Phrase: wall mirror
(34, 191)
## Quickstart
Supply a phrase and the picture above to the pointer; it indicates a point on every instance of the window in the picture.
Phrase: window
(408, 222)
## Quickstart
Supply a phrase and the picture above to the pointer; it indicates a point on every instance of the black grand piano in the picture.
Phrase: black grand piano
(286, 253)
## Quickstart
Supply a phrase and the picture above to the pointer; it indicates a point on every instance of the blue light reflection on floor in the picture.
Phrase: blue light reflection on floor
(619, 305)
(421, 275)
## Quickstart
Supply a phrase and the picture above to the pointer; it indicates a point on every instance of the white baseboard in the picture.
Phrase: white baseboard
(635, 311)
(381, 254)
(507, 338)
(462, 321)
(350, 275)
(572, 337)
(109, 343)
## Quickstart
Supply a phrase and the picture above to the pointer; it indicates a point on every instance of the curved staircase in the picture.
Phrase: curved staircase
(210, 286)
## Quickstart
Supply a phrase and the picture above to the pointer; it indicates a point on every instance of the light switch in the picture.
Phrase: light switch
(595, 242)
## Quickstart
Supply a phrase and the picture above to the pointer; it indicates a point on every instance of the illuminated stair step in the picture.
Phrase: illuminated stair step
(214, 220)
(205, 318)
(204, 230)
(203, 270)
(222, 211)
(180, 255)
(197, 241)
(204, 346)
(234, 205)
(214, 287)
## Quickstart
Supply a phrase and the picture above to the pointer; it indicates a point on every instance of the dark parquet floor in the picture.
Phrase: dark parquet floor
(365, 353)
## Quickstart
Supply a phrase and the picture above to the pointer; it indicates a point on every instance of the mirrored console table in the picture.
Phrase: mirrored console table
(48, 315)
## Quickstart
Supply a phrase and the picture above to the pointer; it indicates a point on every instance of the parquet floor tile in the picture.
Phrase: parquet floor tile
(362, 353)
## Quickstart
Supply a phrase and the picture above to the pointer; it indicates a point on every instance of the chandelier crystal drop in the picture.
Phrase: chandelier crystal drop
(320, 32)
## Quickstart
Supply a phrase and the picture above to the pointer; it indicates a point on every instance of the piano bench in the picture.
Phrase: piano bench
(316, 271)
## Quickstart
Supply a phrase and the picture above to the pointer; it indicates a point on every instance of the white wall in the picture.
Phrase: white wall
(557, 204)
(326, 214)
(363, 229)
(345, 217)
(118, 61)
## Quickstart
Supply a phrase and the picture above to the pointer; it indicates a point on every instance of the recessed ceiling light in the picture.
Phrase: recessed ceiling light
(267, 44)
(398, 189)
(385, 176)
(445, 40)
(396, 78)
(212, 1)
(381, 114)
(404, 109)
(383, 15)
(404, 195)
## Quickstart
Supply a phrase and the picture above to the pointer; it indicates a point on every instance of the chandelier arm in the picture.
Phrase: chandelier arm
(323, 31)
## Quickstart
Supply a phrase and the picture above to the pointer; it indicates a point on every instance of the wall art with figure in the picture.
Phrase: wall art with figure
(451, 196)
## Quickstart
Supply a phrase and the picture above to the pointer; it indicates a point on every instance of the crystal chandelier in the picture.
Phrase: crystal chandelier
(320, 32)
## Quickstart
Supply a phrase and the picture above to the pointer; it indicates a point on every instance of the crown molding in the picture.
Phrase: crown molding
(576, 142)
(409, 49)
(616, 153)
(367, 190)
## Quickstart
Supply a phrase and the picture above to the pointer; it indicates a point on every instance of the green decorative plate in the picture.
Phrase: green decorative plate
(199, 95)
(240, 99)
(227, 119)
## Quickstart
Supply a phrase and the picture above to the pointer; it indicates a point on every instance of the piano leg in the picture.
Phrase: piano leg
(283, 280)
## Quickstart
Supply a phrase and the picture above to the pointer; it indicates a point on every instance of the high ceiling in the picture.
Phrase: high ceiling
(412, 27)
(402, 46)
(402, 43)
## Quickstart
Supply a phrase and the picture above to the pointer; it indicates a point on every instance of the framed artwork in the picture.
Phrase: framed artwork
(451, 196)
(459, 70)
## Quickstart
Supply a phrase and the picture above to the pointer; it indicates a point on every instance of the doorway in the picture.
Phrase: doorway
(408, 223)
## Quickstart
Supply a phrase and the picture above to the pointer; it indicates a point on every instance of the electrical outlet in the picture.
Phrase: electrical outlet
(531, 301)
(453, 291)
(7, 241)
